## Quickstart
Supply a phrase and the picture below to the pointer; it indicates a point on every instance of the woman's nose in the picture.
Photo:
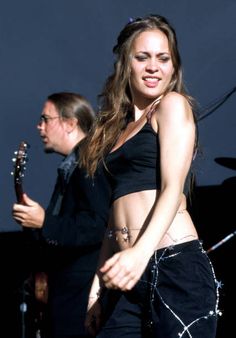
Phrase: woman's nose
(152, 65)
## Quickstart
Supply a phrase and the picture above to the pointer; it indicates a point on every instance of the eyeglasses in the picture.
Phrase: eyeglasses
(46, 119)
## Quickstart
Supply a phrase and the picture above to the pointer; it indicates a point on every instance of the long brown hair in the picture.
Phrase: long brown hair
(115, 99)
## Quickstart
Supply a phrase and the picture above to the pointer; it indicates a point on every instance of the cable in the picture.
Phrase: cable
(215, 104)
(225, 239)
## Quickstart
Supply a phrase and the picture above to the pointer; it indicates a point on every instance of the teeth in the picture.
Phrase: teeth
(150, 79)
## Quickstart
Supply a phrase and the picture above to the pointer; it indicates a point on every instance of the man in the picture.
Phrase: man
(73, 225)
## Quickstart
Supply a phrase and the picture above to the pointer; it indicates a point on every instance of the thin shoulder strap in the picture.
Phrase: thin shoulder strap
(153, 108)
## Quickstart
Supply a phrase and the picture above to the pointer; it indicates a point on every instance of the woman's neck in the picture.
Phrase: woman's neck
(144, 110)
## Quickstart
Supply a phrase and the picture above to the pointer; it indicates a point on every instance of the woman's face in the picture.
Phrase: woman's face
(151, 66)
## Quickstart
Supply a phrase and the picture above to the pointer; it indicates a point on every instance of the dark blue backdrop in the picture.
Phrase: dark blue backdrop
(48, 46)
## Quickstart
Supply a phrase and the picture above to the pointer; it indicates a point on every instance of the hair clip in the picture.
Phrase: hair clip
(131, 20)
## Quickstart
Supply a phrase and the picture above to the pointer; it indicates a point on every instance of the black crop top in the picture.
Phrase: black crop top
(135, 166)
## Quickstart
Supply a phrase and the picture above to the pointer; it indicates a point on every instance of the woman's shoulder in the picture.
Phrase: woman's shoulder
(173, 98)
(174, 102)
(173, 108)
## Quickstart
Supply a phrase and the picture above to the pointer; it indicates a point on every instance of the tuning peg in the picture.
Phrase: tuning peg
(13, 159)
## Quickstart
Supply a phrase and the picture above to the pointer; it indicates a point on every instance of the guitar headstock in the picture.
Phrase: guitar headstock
(20, 160)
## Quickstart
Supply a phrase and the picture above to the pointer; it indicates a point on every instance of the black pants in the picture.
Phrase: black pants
(176, 297)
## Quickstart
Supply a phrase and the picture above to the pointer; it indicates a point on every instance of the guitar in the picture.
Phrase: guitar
(19, 169)
(39, 278)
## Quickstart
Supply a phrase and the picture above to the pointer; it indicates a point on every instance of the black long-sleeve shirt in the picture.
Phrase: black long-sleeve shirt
(72, 234)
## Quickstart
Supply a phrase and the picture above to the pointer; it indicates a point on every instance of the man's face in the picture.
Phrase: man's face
(51, 128)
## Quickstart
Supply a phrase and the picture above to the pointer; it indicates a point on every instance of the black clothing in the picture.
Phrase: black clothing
(134, 166)
(177, 278)
(73, 230)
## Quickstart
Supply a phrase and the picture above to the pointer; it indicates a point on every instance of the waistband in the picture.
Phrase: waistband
(190, 246)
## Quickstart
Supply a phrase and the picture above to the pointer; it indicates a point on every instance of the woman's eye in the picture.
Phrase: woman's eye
(164, 59)
(140, 57)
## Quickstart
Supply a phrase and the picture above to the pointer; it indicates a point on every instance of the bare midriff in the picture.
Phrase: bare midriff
(130, 217)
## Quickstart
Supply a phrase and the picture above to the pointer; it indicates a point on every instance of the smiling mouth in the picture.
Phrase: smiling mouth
(151, 81)
(151, 78)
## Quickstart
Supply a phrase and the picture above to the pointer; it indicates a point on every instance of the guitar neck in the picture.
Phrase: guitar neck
(19, 192)
(19, 168)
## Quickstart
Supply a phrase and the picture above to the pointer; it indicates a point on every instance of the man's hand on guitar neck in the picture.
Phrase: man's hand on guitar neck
(30, 214)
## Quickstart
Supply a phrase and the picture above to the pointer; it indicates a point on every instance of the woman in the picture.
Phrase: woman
(160, 280)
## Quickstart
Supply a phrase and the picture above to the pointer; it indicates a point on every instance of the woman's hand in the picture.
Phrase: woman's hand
(93, 317)
(124, 269)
